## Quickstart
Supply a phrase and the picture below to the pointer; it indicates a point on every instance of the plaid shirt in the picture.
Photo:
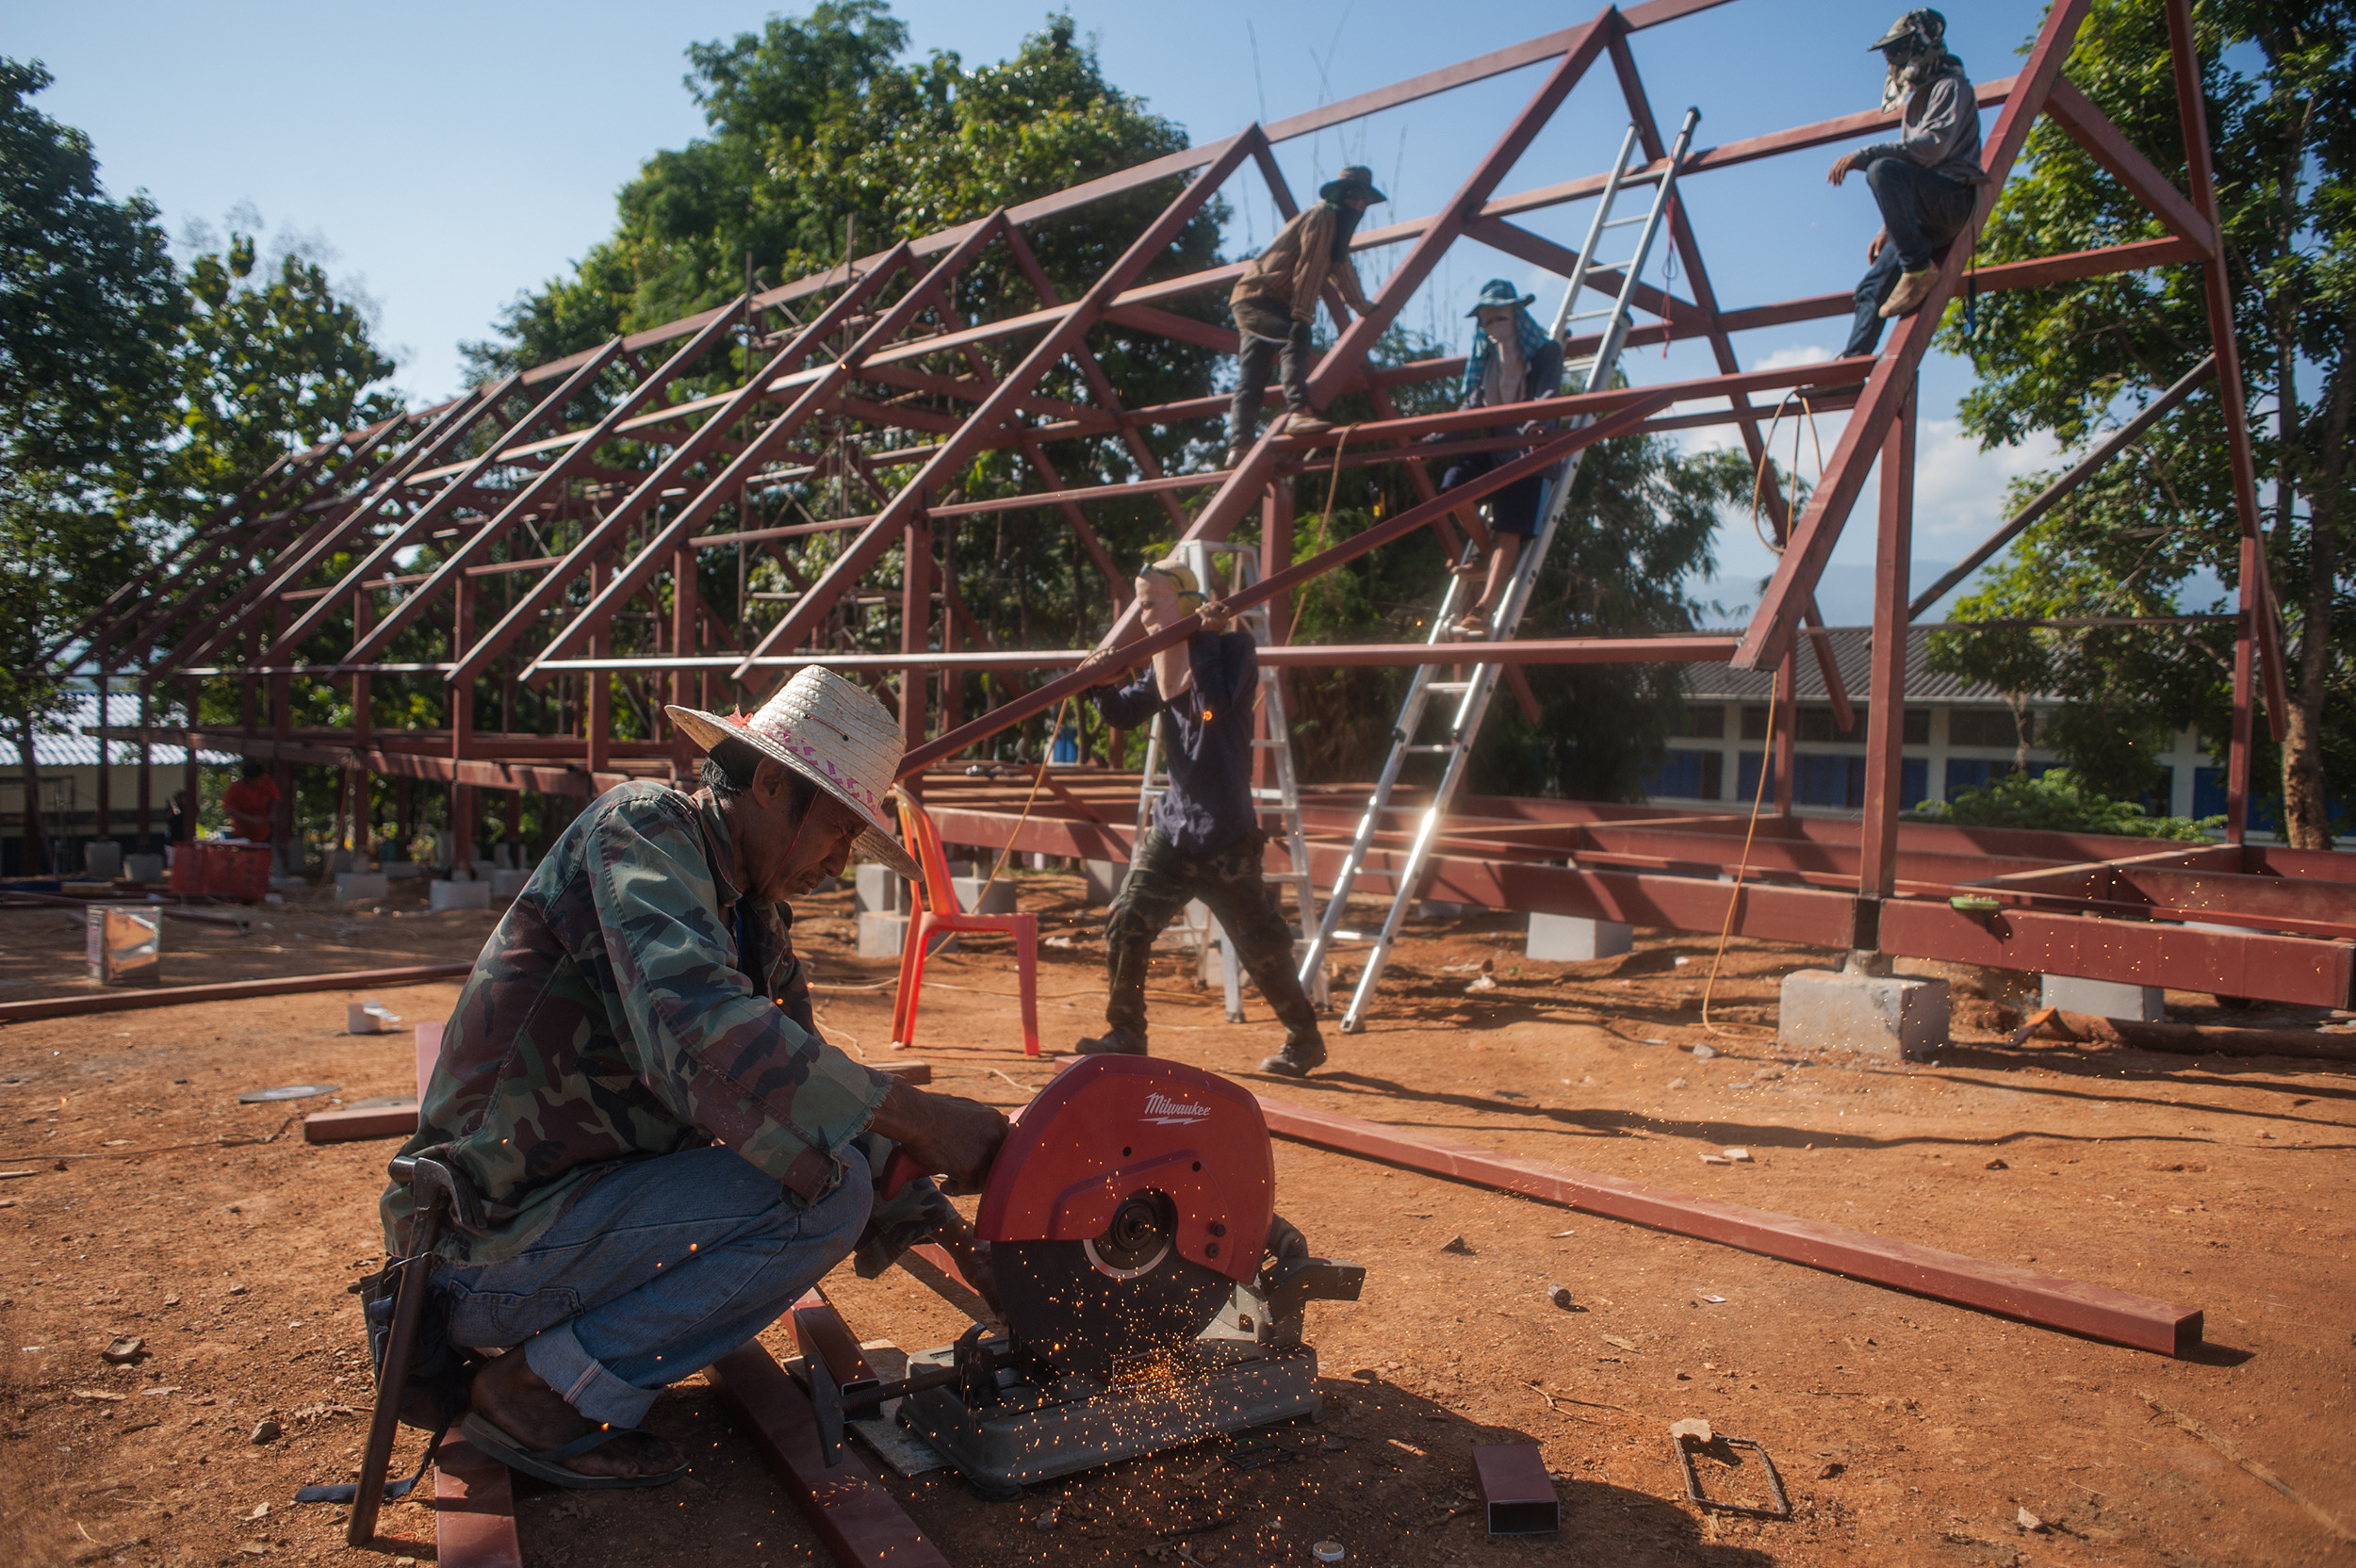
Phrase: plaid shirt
(613, 1016)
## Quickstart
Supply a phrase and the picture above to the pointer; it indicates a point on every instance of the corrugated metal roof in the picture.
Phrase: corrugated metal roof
(77, 750)
(1852, 649)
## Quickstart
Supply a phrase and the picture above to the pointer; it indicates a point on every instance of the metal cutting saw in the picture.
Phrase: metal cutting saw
(1151, 1295)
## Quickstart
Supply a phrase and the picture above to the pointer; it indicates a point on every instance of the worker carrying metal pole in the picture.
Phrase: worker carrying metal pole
(1206, 841)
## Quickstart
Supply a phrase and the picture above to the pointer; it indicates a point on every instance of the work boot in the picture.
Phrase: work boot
(1302, 1054)
(1913, 288)
(1115, 1041)
(1302, 422)
(1237, 453)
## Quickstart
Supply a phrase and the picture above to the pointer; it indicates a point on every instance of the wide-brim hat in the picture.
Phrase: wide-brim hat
(1354, 180)
(831, 733)
(1496, 294)
(1923, 27)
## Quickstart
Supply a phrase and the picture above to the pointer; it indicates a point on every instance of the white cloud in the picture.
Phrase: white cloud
(1959, 490)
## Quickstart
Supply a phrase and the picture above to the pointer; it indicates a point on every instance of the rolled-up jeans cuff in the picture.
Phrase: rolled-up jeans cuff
(582, 1380)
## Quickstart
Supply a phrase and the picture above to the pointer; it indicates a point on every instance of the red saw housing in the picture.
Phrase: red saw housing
(1109, 1127)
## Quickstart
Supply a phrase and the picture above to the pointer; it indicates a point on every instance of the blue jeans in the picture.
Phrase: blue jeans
(662, 1268)
(1921, 213)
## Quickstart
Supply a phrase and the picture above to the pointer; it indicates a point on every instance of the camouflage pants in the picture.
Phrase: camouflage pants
(1229, 882)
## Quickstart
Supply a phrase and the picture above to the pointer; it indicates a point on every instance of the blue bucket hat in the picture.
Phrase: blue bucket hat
(1496, 294)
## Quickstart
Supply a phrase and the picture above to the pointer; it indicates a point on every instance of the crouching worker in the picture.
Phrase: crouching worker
(1923, 182)
(663, 1151)
(1205, 841)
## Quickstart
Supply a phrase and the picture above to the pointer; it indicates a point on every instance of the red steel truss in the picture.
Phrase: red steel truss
(878, 391)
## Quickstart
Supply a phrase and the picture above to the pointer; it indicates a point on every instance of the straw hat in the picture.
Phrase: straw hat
(832, 734)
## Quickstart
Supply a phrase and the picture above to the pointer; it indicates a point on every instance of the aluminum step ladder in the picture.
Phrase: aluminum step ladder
(1197, 928)
(1468, 698)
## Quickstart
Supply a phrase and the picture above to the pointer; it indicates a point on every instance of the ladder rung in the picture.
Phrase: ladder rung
(1624, 223)
(1589, 314)
(1447, 685)
(1427, 750)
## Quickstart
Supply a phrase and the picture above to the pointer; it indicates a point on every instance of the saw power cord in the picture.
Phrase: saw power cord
(1037, 778)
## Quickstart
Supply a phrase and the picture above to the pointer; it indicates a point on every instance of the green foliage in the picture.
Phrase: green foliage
(271, 358)
(2280, 82)
(88, 303)
(2058, 801)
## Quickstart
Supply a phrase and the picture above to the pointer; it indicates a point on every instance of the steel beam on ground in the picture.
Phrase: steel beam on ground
(2049, 1300)
(860, 1522)
(474, 1508)
(132, 999)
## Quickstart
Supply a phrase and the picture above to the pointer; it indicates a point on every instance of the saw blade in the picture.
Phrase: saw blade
(1084, 1304)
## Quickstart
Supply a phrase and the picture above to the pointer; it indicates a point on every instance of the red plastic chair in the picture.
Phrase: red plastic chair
(935, 910)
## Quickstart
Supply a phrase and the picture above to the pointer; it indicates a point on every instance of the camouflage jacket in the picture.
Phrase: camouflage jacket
(613, 1016)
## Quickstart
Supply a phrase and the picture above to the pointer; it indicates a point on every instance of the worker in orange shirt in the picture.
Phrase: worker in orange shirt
(252, 802)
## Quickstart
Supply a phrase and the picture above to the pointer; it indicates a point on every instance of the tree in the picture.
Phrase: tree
(89, 307)
(2280, 82)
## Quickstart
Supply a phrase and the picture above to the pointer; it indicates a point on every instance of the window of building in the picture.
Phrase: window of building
(1688, 776)
(1989, 726)
(1702, 721)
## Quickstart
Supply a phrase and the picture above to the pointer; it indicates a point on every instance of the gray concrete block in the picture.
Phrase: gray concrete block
(1899, 1016)
(460, 895)
(883, 936)
(352, 886)
(1569, 939)
(879, 890)
(143, 868)
(1104, 879)
(999, 901)
(2104, 997)
(102, 859)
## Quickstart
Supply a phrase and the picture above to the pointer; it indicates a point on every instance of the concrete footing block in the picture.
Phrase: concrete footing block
(1104, 879)
(1569, 939)
(102, 859)
(879, 890)
(971, 898)
(143, 868)
(884, 936)
(461, 895)
(1899, 1016)
(2104, 997)
(354, 886)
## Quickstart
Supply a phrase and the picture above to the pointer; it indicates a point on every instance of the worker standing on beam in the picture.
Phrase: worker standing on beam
(660, 1151)
(1514, 360)
(1923, 182)
(1275, 305)
(1205, 841)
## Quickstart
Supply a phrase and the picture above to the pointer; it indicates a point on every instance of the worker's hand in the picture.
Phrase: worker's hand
(1301, 334)
(972, 1255)
(1842, 167)
(1105, 665)
(955, 1138)
(1873, 246)
(1216, 616)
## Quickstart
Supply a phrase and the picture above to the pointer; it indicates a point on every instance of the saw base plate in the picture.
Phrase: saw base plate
(1030, 1435)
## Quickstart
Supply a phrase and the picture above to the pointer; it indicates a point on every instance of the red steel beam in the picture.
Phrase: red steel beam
(2092, 130)
(860, 1522)
(1068, 333)
(474, 1508)
(2048, 1300)
(233, 990)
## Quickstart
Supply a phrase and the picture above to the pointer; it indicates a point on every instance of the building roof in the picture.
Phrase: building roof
(1853, 648)
(77, 750)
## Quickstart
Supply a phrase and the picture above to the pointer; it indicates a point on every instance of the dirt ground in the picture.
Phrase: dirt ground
(1907, 1431)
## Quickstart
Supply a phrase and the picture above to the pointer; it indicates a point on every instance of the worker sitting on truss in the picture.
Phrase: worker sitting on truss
(1923, 182)
(1514, 360)
(1205, 841)
(1275, 305)
(660, 1151)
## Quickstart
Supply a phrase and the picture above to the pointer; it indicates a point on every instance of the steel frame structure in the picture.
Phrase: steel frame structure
(878, 348)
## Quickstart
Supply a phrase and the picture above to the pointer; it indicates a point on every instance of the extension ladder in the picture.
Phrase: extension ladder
(1471, 694)
(1281, 800)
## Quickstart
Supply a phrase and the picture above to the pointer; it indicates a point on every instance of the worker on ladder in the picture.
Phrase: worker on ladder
(1275, 306)
(1923, 182)
(1514, 360)
(1206, 841)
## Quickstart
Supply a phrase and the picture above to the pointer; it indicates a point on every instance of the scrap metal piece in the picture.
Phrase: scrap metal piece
(1517, 1487)
(1685, 1448)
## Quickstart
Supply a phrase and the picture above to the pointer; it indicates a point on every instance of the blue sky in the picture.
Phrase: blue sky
(452, 155)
